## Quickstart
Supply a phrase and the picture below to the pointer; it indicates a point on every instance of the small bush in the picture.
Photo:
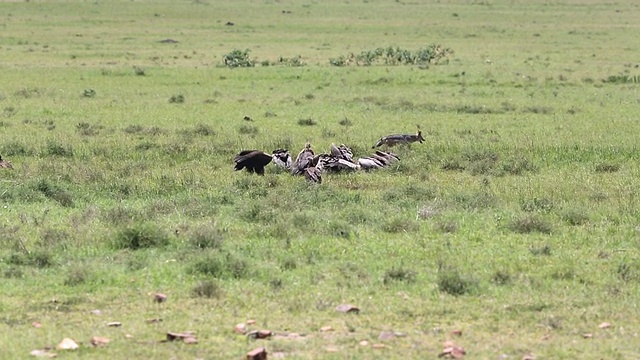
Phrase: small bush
(447, 227)
(176, 99)
(607, 168)
(450, 281)
(52, 148)
(540, 250)
(86, 129)
(221, 266)
(238, 58)
(399, 224)
(139, 71)
(345, 122)
(207, 289)
(518, 166)
(528, 224)
(537, 204)
(575, 217)
(307, 122)
(248, 130)
(13, 272)
(141, 236)
(501, 277)
(77, 276)
(399, 274)
(206, 237)
(54, 192)
(203, 130)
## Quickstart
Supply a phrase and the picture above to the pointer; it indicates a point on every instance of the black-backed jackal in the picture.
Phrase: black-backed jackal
(403, 139)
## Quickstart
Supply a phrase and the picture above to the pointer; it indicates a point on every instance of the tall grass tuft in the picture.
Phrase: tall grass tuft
(141, 236)
(452, 282)
(207, 289)
(529, 223)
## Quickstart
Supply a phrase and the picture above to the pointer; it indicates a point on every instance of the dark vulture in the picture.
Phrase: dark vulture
(255, 160)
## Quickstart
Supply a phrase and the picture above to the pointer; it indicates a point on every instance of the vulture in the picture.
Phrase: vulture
(303, 160)
(254, 161)
(5, 164)
(342, 152)
(282, 158)
(377, 160)
(404, 139)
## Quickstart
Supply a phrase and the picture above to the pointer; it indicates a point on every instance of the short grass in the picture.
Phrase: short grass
(516, 221)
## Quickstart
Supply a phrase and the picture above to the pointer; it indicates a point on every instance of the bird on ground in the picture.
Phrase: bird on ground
(254, 161)
(377, 160)
(303, 160)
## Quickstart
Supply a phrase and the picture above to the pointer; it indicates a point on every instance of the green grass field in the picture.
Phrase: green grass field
(515, 223)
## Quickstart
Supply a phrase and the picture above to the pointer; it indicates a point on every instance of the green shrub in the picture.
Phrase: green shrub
(221, 266)
(530, 223)
(399, 274)
(452, 282)
(206, 237)
(141, 236)
(207, 289)
(238, 58)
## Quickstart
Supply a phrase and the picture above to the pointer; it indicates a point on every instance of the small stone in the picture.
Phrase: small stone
(456, 332)
(96, 312)
(379, 346)
(326, 328)
(257, 354)
(43, 353)
(36, 324)
(604, 325)
(67, 344)
(251, 322)
(587, 336)
(114, 324)
(99, 341)
(240, 328)
(363, 343)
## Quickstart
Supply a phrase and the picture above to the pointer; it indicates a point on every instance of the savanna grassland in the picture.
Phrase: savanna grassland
(516, 223)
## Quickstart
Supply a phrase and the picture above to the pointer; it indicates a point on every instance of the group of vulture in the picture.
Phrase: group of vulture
(312, 165)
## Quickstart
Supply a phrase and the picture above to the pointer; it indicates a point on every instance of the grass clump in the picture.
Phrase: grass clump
(53, 191)
(207, 289)
(452, 282)
(307, 122)
(607, 168)
(39, 258)
(399, 275)
(238, 58)
(399, 225)
(53, 148)
(221, 266)
(206, 237)
(529, 223)
(176, 99)
(141, 236)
